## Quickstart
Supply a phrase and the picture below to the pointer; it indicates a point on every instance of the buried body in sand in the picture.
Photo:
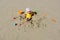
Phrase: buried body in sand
(26, 18)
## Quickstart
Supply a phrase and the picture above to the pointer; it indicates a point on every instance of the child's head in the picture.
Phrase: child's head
(28, 10)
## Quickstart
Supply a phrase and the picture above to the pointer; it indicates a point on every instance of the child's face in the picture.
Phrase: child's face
(29, 11)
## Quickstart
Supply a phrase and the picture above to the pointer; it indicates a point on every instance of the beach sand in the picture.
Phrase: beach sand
(49, 29)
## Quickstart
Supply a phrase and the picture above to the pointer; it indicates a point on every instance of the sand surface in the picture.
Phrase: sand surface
(48, 8)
